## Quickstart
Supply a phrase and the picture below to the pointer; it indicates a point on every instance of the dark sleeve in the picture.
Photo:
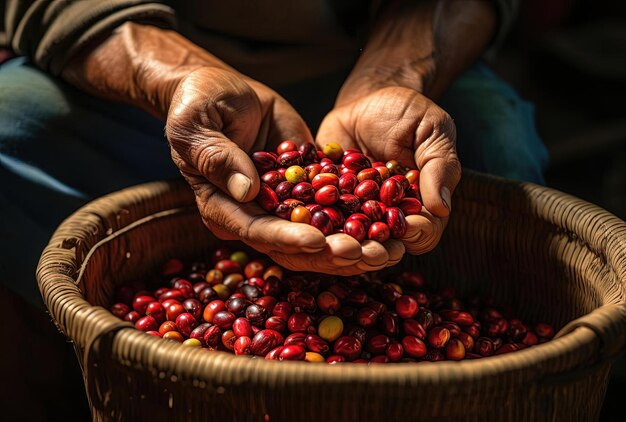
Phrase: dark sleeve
(51, 31)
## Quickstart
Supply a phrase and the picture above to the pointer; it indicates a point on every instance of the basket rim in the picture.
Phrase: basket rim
(51, 275)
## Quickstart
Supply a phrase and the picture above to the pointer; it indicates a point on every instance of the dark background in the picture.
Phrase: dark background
(568, 58)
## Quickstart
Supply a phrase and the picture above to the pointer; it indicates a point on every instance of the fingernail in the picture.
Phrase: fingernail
(445, 195)
(238, 185)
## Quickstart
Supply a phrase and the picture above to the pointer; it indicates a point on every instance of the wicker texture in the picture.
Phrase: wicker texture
(546, 254)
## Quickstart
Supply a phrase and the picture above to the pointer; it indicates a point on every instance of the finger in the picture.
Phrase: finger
(314, 263)
(368, 268)
(332, 130)
(374, 253)
(438, 179)
(250, 224)
(440, 169)
(343, 249)
(424, 231)
(395, 250)
(221, 162)
(214, 119)
(340, 257)
(378, 256)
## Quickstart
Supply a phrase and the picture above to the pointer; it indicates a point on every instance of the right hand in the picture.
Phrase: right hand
(216, 119)
(402, 124)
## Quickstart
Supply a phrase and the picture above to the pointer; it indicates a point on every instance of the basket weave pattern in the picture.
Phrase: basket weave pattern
(546, 254)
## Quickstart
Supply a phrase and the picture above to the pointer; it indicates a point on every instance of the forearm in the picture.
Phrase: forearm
(421, 45)
(138, 64)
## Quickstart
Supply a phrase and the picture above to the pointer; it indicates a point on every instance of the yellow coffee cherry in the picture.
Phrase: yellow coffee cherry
(301, 214)
(330, 328)
(314, 357)
(192, 342)
(333, 151)
(295, 175)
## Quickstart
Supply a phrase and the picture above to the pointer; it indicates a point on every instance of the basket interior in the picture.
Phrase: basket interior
(541, 254)
(528, 266)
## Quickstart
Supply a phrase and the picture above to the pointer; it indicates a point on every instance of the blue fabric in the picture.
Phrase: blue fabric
(496, 131)
(60, 148)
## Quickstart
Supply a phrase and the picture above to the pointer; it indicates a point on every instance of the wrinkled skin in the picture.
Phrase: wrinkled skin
(216, 116)
(400, 123)
(215, 120)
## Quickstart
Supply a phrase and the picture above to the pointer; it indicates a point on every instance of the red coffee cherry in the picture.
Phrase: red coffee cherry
(379, 232)
(391, 192)
(265, 310)
(356, 229)
(267, 198)
(366, 190)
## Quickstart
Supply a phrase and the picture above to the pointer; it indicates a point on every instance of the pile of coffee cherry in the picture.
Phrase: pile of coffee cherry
(337, 191)
(245, 304)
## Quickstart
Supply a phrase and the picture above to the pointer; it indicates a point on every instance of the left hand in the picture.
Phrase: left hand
(402, 124)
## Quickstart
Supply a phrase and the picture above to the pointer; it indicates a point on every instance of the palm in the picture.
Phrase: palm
(401, 124)
(216, 119)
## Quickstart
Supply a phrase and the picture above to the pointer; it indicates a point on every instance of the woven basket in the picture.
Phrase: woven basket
(549, 256)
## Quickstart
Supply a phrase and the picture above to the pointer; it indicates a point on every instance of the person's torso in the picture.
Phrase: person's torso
(278, 41)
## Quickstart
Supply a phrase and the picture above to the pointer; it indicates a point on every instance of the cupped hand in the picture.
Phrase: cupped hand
(397, 123)
(216, 119)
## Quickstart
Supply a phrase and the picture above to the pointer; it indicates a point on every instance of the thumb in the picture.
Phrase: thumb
(436, 157)
(219, 160)
(213, 120)
(439, 175)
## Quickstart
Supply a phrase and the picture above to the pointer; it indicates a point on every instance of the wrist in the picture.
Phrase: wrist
(138, 64)
(414, 74)
(400, 51)
(421, 45)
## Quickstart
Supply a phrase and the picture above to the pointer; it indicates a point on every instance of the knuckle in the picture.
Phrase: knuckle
(247, 230)
(211, 157)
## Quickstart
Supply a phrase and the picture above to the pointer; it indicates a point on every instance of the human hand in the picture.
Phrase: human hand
(401, 124)
(215, 120)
